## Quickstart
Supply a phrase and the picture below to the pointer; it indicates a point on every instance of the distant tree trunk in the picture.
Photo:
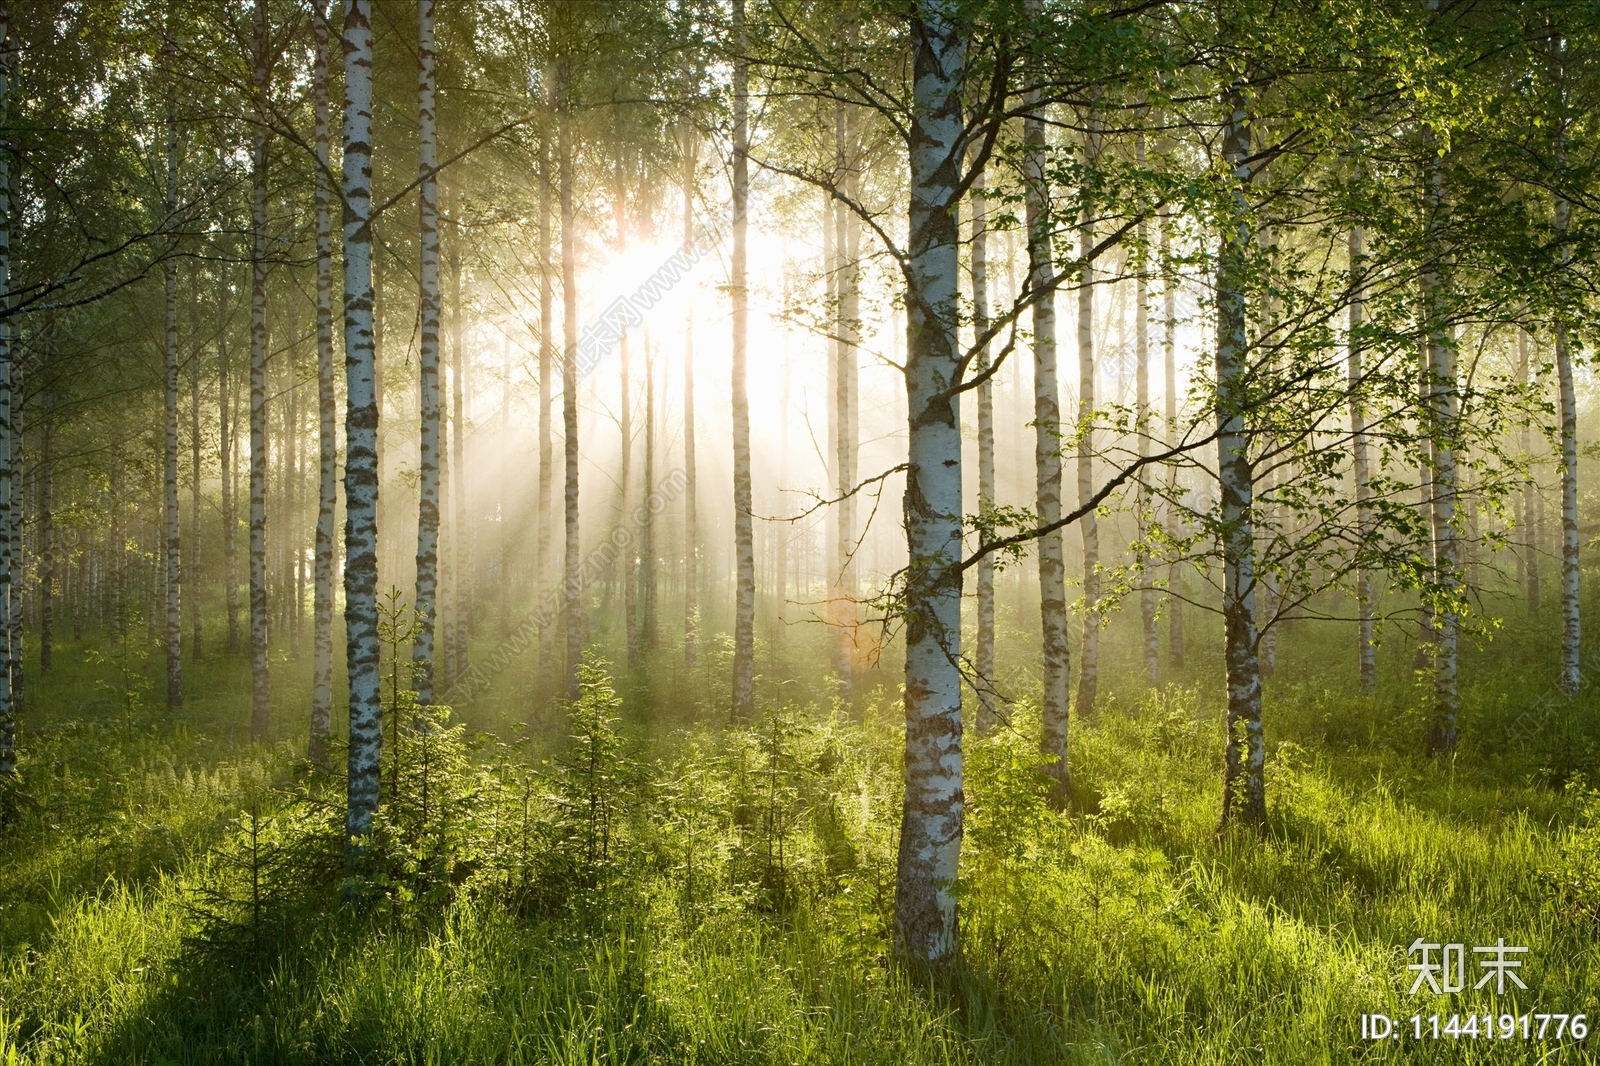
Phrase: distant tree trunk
(1141, 331)
(1441, 421)
(172, 544)
(630, 561)
(225, 432)
(361, 434)
(847, 311)
(925, 912)
(327, 444)
(1053, 708)
(260, 690)
(1169, 346)
(47, 531)
(744, 626)
(502, 596)
(461, 543)
(1244, 787)
(1089, 651)
(983, 653)
(546, 369)
(1365, 625)
(196, 628)
(691, 532)
(651, 629)
(1571, 623)
(574, 613)
(427, 608)
(1532, 505)
(8, 719)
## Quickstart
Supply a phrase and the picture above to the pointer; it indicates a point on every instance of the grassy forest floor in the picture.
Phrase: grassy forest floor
(645, 889)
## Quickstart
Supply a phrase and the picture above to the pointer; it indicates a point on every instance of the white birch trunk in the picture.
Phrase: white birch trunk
(1571, 622)
(983, 652)
(460, 545)
(650, 626)
(1141, 332)
(691, 532)
(361, 433)
(1366, 649)
(630, 559)
(925, 918)
(1169, 348)
(8, 720)
(744, 622)
(575, 616)
(226, 411)
(426, 602)
(260, 690)
(1088, 526)
(1054, 707)
(1243, 789)
(170, 519)
(1441, 422)
(547, 348)
(327, 446)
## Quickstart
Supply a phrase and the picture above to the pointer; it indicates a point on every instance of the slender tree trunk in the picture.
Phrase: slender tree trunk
(925, 917)
(651, 630)
(225, 432)
(502, 596)
(691, 532)
(461, 544)
(744, 625)
(1244, 786)
(361, 434)
(196, 627)
(547, 349)
(172, 544)
(575, 614)
(327, 444)
(1089, 651)
(630, 560)
(1169, 346)
(8, 718)
(983, 653)
(1532, 502)
(1571, 622)
(1441, 420)
(47, 532)
(1366, 648)
(847, 311)
(1047, 452)
(1141, 331)
(422, 648)
(260, 690)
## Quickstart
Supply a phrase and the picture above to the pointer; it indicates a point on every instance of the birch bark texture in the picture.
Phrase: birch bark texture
(925, 915)
(260, 680)
(8, 720)
(744, 621)
(427, 559)
(1141, 334)
(1169, 351)
(361, 434)
(691, 531)
(1053, 710)
(1243, 784)
(170, 519)
(574, 615)
(1366, 648)
(327, 445)
(983, 652)
(1088, 525)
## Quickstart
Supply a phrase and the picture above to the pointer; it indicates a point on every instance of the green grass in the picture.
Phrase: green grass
(743, 913)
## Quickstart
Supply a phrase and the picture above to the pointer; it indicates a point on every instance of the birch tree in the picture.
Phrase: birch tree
(260, 687)
(327, 445)
(172, 543)
(361, 434)
(744, 628)
(426, 603)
